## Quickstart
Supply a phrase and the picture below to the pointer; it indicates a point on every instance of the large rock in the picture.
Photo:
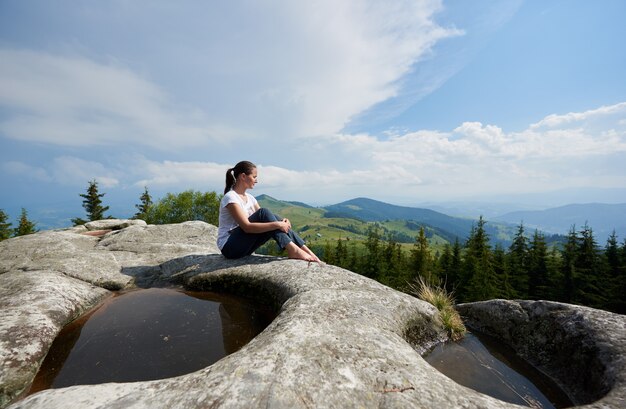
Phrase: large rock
(35, 306)
(339, 339)
(582, 348)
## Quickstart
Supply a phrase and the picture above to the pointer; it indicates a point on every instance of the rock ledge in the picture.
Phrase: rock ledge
(339, 339)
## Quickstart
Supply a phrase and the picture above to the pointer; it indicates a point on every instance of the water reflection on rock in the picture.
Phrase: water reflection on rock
(150, 334)
(486, 366)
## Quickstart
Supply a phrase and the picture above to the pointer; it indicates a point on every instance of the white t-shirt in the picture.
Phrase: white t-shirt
(226, 220)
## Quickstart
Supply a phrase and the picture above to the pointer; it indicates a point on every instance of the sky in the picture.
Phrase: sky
(406, 102)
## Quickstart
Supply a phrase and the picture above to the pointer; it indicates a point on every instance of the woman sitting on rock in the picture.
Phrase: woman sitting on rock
(244, 226)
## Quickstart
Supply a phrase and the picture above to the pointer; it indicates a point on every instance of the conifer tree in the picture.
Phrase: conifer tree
(372, 261)
(612, 254)
(393, 270)
(616, 270)
(450, 266)
(92, 203)
(620, 289)
(25, 226)
(444, 263)
(353, 260)
(480, 281)
(538, 276)
(5, 227)
(518, 263)
(555, 280)
(592, 277)
(504, 289)
(569, 256)
(329, 254)
(454, 272)
(341, 253)
(421, 259)
(144, 207)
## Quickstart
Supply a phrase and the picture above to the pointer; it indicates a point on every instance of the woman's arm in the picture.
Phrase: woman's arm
(242, 220)
(257, 207)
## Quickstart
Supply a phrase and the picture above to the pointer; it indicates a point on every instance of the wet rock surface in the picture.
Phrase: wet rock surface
(339, 340)
(582, 348)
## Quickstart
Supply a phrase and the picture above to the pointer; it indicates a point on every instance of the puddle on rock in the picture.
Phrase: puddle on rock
(482, 363)
(150, 334)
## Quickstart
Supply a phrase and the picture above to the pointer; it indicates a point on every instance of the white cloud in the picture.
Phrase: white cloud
(471, 159)
(555, 120)
(75, 171)
(278, 181)
(233, 71)
(179, 175)
(484, 158)
(74, 101)
(22, 169)
(66, 170)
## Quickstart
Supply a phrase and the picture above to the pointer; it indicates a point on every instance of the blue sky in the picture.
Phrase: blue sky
(402, 101)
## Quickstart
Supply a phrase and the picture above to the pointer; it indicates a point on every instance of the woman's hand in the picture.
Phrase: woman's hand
(284, 226)
(288, 222)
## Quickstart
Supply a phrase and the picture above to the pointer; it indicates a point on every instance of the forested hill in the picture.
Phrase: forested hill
(602, 218)
(368, 210)
(373, 210)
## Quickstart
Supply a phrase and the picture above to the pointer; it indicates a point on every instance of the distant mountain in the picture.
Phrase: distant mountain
(602, 218)
(270, 199)
(404, 221)
(375, 211)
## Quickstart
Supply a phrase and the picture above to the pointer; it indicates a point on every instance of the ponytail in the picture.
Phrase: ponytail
(230, 180)
(231, 174)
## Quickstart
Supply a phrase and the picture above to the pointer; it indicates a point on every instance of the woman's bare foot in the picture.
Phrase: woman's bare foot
(310, 252)
(296, 252)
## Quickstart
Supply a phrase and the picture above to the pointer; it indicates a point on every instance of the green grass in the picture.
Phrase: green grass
(444, 302)
(316, 229)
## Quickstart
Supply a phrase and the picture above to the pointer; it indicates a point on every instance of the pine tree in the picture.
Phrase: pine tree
(144, 207)
(25, 226)
(619, 300)
(538, 276)
(92, 203)
(444, 262)
(555, 280)
(353, 259)
(592, 277)
(421, 259)
(518, 263)
(5, 227)
(393, 269)
(329, 254)
(616, 269)
(479, 278)
(569, 257)
(341, 253)
(613, 256)
(455, 270)
(372, 261)
(504, 289)
(449, 266)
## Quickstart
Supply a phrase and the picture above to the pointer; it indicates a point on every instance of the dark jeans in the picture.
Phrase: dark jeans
(242, 244)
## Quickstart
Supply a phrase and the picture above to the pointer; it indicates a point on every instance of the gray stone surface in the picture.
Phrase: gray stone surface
(35, 306)
(339, 340)
(57, 251)
(582, 348)
(113, 224)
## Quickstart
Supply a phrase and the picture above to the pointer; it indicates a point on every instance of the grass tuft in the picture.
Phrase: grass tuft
(444, 302)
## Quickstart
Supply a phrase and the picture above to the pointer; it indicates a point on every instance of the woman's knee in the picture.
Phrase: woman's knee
(265, 215)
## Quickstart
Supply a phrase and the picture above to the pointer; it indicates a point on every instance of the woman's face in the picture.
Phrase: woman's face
(250, 180)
